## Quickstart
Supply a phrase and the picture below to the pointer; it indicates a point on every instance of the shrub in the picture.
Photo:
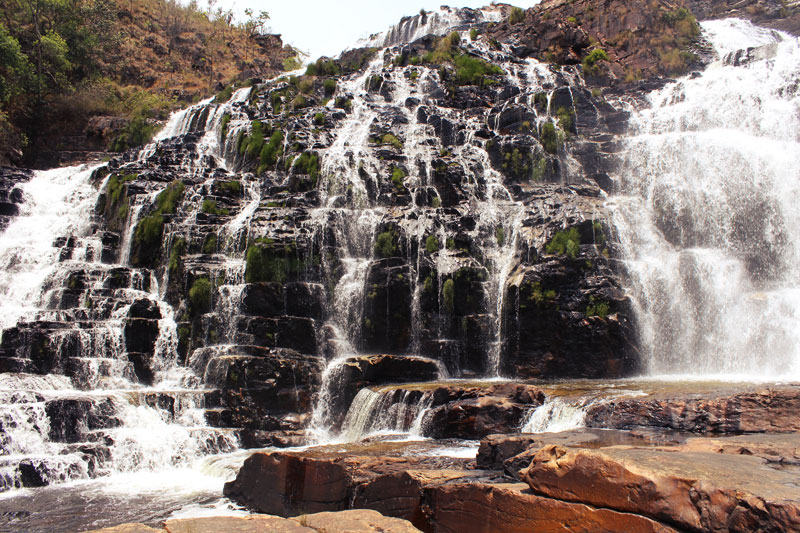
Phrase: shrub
(397, 178)
(224, 95)
(299, 102)
(516, 16)
(270, 152)
(386, 244)
(136, 133)
(210, 243)
(200, 296)
(449, 295)
(330, 86)
(319, 119)
(307, 163)
(265, 261)
(473, 34)
(565, 118)
(549, 138)
(223, 127)
(233, 187)
(565, 242)
(323, 67)
(500, 235)
(177, 252)
(432, 244)
(472, 70)
(305, 85)
(392, 140)
(147, 236)
(589, 62)
(597, 307)
(210, 206)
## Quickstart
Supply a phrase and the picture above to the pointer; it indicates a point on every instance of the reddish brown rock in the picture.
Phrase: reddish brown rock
(512, 508)
(128, 528)
(464, 412)
(380, 476)
(772, 409)
(355, 521)
(642, 37)
(237, 524)
(513, 453)
(696, 491)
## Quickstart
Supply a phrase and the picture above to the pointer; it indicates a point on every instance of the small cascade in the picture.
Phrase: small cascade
(707, 212)
(439, 22)
(556, 414)
(388, 412)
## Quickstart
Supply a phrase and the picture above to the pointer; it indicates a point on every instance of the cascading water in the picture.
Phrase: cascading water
(56, 199)
(707, 212)
(348, 210)
(100, 421)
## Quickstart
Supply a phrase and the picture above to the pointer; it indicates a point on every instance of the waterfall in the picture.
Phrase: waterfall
(707, 212)
(58, 200)
(555, 415)
(390, 411)
(101, 420)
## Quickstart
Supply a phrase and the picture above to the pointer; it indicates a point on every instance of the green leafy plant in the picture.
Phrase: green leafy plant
(432, 244)
(549, 138)
(597, 307)
(590, 61)
(516, 16)
(449, 295)
(200, 296)
(386, 244)
(210, 207)
(565, 242)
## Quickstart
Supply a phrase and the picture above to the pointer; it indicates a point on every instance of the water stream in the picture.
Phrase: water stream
(707, 214)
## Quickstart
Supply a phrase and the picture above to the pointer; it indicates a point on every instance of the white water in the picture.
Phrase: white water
(555, 415)
(392, 412)
(148, 438)
(708, 215)
(55, 205)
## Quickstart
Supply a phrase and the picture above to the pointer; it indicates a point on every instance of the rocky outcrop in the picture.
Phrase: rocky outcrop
(380, 476)
(691, 490)
(512, 508)
(641, 39)
(464, 412)
(354, 521)
(754, 409)
(10, 194)
(587, 480)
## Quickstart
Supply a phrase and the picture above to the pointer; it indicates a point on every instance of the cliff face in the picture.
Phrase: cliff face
(434, 208)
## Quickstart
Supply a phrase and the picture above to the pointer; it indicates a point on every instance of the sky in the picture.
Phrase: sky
(325, 27)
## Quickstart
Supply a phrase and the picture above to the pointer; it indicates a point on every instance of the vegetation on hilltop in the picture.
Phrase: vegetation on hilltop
(65, 61)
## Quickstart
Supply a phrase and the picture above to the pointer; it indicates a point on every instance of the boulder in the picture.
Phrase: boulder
(693, 490)
(513, 508)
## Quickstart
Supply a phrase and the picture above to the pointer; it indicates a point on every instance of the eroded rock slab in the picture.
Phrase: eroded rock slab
(387, 477)
(767, 409)
(513, 508)
(691, 486)
(354, 521)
